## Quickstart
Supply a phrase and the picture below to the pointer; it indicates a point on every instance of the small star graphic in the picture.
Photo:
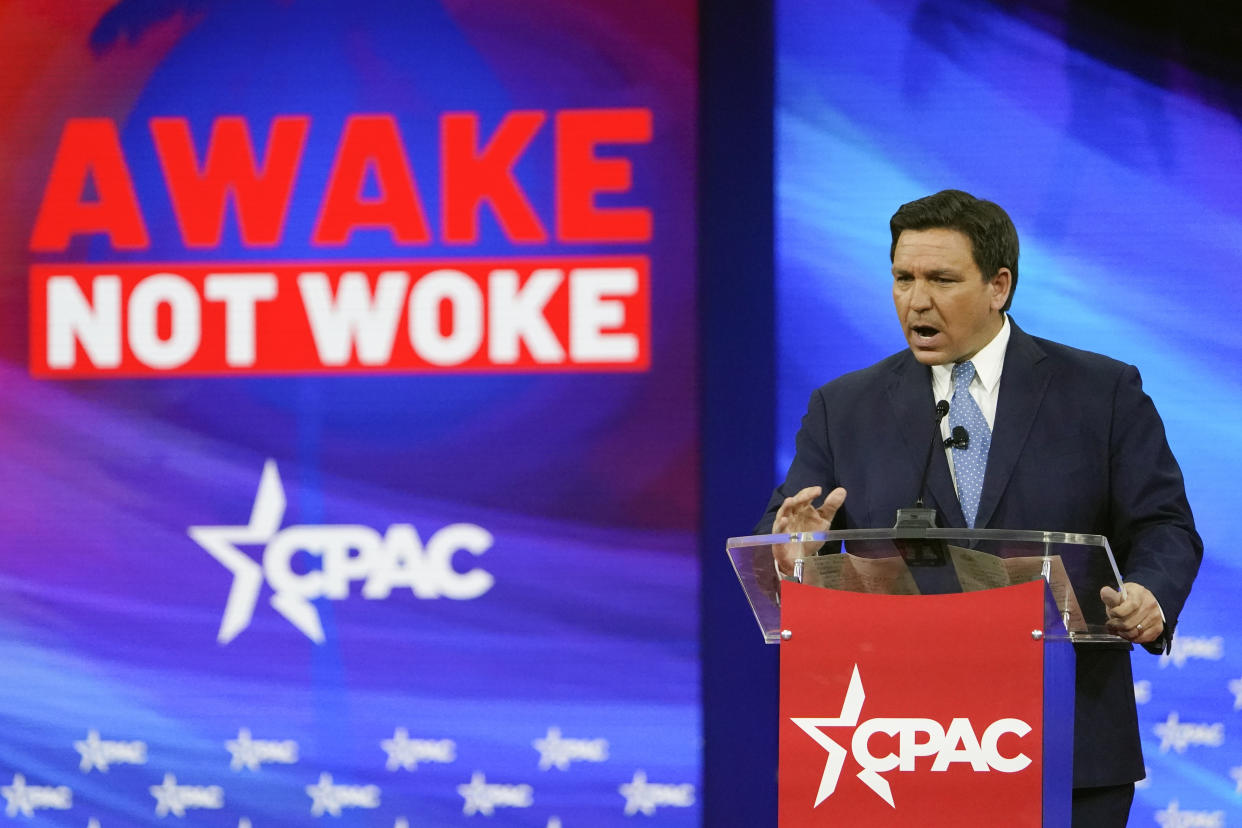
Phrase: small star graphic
(323, 797)
(91, 749)
(637, 798)
(550, 753)
(242, 748)
(18, 801)
(475, 795)
(400, 751)
(167, 797)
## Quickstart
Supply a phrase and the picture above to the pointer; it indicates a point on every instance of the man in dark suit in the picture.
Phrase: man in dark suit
(1064, 440)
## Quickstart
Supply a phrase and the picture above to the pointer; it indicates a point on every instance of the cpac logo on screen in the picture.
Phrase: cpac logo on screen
(916, 737)
(398, 558)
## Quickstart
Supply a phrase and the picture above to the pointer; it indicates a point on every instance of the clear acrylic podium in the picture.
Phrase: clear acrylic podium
(927, 675)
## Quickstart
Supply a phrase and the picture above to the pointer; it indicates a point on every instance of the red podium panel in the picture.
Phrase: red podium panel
(916, 710)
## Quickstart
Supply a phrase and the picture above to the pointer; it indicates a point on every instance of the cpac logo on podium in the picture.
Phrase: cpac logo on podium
(915, 738)
(398, 558)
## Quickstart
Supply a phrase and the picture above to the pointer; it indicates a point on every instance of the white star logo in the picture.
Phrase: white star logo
(323, 797)
(243, 752)
(404, 752)
(17, 798)
(327, 797)
(637, 797)
(221, 543)
(26, 799)
(400, 751)
(556, 751)
(91, 749)
(102, 754)
(167, 797)
(250, 753)
(644, 797)
(475, 796)
(851, 709)
(1235, 687)
(550, 753)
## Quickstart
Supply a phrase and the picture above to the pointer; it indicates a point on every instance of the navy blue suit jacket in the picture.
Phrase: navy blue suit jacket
(1077, 446)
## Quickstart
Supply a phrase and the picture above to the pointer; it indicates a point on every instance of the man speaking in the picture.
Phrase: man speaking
(1058, 439)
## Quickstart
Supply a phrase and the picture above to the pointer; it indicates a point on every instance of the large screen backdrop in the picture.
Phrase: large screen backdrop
(1118, 161)
(348, 419)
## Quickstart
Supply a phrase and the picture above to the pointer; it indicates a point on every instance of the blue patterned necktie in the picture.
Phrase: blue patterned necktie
(969, 463)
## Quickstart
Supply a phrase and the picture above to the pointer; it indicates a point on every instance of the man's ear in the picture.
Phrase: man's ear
(1001, 285)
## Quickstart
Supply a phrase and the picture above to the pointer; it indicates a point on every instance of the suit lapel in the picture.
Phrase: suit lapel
(1023, 383)
(910, 395)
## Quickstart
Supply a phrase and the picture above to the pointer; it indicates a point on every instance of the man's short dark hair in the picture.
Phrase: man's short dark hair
(993, 238)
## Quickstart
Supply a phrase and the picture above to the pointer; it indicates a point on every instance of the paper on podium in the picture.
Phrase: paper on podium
(856, 573)
(973, 569)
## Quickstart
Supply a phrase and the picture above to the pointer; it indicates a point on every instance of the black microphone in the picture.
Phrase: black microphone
(960, 438)
(917, 516)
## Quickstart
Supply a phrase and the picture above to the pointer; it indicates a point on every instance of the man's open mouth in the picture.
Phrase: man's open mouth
(926, 331)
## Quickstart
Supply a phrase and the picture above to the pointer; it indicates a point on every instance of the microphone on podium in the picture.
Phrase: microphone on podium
(918, 516)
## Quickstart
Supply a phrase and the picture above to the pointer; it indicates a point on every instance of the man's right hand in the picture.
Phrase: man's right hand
(798, 514)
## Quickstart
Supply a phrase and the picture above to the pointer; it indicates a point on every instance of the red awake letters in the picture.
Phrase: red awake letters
(266, 315)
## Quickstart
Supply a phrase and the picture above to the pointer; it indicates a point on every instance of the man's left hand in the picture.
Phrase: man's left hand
(1134, 614)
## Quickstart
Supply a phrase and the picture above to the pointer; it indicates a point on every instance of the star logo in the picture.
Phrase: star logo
(851, 709)
(26, 799)
(399, 557)
(643, 797)
(327, 797)
(251, 753)
(323, 797)
(221, 543)
(1174, 817)
(556, 751)
(101, 754)
(482, 797)
(404, 752)
(1235, 687)
(917, 737)
(171, 798)
(1178, 735)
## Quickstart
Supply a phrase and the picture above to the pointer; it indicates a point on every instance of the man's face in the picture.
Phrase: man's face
(946, 309)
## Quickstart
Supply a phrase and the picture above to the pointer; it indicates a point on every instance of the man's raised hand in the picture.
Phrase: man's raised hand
(799, 514)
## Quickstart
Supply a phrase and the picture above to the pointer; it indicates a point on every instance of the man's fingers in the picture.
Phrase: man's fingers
(1133, 613)
(1110, 597)
(804, 497)
(1150, 632)
(1140, 632)
(832, 503)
